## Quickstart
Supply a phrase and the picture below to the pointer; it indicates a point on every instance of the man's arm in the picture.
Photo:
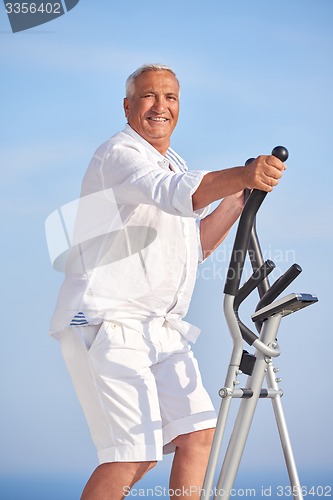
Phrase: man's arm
(215, 227)
(262, 173)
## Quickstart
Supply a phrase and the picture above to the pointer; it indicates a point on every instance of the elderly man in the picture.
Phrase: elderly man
(120, 321)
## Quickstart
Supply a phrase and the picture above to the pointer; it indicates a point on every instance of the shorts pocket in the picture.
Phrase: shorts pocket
(104, 332)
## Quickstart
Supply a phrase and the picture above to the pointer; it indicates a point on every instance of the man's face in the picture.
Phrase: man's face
(152, 109)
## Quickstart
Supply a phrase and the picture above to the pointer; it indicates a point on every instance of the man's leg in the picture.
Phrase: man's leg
(112, 481)
(189, 464)
(109, 368)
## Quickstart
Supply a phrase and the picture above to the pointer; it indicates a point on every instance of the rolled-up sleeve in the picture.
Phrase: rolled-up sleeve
(135, 180)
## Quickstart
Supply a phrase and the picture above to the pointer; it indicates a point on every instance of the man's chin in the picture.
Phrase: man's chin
(158, 134)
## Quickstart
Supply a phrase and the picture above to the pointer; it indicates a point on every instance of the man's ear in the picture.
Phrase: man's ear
(126, 107)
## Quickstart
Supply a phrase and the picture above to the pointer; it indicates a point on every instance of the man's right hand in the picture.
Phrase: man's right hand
(264, 173)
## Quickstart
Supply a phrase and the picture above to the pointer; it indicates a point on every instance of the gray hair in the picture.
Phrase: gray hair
(130, 82)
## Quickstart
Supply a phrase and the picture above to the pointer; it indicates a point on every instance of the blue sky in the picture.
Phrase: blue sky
(253, 74)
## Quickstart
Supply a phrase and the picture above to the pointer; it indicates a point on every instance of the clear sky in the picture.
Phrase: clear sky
(254, 74)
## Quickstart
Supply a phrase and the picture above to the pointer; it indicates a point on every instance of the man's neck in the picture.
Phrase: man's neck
(161, 145)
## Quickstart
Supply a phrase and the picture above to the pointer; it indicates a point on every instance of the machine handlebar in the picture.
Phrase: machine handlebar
(241, 243)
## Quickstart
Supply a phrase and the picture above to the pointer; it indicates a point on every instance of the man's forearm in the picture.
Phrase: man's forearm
(262, 173)
(215, 227)
(217, 185)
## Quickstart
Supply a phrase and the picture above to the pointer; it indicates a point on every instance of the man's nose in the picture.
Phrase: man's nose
(159, 105)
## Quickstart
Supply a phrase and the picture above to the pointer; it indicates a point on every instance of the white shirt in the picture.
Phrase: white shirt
(136, 242)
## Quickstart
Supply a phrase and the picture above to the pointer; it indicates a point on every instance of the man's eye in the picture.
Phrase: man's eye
(148, 95)
(172, 97)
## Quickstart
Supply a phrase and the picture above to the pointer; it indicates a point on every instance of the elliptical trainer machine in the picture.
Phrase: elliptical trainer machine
(259, 365)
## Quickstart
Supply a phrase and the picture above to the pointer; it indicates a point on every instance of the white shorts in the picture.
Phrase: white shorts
(137, 393)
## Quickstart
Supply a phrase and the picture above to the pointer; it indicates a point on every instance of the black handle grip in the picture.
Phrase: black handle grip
(281, 152)
(277, 288)
(244, 230)
(253, 282)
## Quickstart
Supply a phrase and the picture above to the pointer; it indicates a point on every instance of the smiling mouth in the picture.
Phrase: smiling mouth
(157, 119)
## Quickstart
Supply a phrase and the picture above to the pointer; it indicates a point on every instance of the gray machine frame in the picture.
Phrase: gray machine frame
(259, 365)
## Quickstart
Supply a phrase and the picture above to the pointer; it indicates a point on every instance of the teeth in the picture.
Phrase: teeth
(158, 119)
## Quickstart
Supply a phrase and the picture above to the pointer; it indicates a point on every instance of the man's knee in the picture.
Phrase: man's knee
(139, 469)
(197, 439)
(146, 466)
(134, 471)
